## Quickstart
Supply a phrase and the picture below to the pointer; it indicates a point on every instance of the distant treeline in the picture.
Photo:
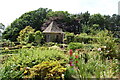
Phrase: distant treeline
(77, 23)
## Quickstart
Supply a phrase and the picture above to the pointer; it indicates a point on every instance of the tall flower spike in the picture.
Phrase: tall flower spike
(71, 52)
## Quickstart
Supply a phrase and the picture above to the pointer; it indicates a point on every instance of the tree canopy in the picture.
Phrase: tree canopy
(35, 19)
(2, 27)
(83, 22)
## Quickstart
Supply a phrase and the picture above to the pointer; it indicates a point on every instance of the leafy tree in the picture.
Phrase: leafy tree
(85, 18)
(107, 21)
(86, 29)
(1, 28)
(26, 35)
(33, 18)
(114, 25)
(97, 19)
(64, 20)
(38, 37)
(76, 23)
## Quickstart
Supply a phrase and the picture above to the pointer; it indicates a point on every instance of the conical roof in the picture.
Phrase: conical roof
(53, 28)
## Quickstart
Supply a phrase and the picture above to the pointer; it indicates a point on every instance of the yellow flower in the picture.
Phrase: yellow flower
(25, 71)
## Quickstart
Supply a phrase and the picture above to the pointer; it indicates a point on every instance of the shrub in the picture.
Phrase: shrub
(49, 44)
(46, 70)
(106, 39)
(55, 47)
(90, 65)
(29, 58)
(84, 38)
(26, 35)
(6, 43)
(74, 46)
(38, 37)
(69, 37)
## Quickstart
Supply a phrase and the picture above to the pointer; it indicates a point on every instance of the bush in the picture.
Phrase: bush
(74, 46)
(29, 58)
(6, 43)
(106, 39)
(46, 70)
(90, 65)
(84, 38)
(26, 35)
(38, 37)
(49, 44)
(69, 37)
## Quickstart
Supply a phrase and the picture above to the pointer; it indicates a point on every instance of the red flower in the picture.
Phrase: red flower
(76, 56)
(70, 62)
(76, 61)
(70, 52)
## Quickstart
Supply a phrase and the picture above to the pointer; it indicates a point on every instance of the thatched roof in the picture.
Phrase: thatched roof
(53, 28)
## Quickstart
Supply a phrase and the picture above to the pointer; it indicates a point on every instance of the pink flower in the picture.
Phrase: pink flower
(71, 64)
(99, 49)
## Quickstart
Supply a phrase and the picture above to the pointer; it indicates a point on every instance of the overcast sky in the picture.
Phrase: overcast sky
(12, 9)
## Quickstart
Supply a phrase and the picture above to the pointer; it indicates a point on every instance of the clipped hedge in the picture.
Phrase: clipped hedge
(74, 45)
(69, 37)
(82, 38)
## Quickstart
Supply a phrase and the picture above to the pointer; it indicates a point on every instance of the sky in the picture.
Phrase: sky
(12, 9)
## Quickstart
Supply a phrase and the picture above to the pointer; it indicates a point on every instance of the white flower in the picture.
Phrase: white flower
(108, 51)
(104, 47)
(99, 49)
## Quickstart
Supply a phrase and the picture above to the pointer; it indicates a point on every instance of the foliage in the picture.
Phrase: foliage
(49, 44)
(85, 18)
(106, 39)
(29, 58)
(2, 27)
(97, 19)
(39, 19)
(91, 65)
(74, 46)
(86, 29)
(32, 18)
(46, 70)
(69, 37)
(68, 22)
(54, 15)
(38, 37)
(6, 43)
(26, 35)
(83, 38)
